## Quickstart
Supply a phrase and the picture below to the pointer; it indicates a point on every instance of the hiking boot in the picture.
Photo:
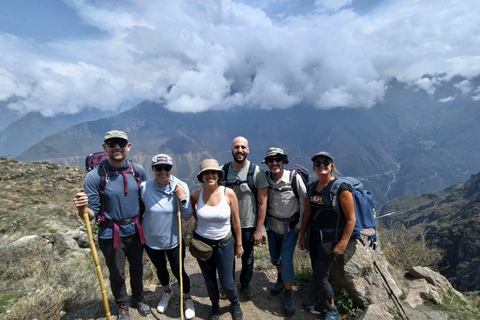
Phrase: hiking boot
(189, 309)
(237, 313)
(214, 312)
(246, 292)
(288, 305)
(163, 304)
(123, 312)
(276, 288)
(331, 313)
(314, 304)
(141, 305)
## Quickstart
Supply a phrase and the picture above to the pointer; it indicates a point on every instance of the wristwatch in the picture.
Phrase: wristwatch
(183, 201)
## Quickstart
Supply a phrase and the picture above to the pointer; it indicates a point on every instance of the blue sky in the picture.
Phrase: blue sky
(64, 56)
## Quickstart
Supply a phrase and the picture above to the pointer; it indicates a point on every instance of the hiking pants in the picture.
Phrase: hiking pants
(246, 273)
(130, 248)
(321, 264)
(221, 260)
(159, 260)
(281, 252)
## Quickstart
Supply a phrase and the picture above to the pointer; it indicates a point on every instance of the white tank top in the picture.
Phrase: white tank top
(213, 222)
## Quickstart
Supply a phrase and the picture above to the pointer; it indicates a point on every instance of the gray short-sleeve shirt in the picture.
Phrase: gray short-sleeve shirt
(247, 206)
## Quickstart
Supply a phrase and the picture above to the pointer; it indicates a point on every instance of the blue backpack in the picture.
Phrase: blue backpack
(364, 209)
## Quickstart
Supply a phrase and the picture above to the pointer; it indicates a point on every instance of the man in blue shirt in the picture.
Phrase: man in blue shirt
(116, 209)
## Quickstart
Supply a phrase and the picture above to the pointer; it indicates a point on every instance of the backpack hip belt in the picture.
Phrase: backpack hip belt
(101, 220)
(116, 228)
(287, 222)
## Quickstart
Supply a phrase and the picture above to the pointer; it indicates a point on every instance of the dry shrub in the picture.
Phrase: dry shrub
(51, 284)
(407, 248)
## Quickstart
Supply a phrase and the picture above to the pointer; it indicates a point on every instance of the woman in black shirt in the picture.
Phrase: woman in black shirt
(328, 234)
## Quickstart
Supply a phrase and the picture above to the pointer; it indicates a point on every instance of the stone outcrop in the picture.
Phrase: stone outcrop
(70, 242)
(367, 276)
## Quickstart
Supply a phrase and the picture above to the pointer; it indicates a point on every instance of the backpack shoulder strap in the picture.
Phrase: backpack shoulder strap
(135, 172)
(251, 171)
(334, 193)
(293, 182)
(225, 168)
(103, 172)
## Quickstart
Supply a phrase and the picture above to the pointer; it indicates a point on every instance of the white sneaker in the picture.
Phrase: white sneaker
(189, 309)
(162, 305)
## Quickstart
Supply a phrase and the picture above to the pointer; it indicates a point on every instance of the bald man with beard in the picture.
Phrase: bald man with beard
(252, 206)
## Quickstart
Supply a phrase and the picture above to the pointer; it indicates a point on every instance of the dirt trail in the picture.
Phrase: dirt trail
(261, 306)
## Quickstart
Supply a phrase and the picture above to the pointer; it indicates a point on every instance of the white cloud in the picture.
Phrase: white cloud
(464, 86)
(447, 99)
(220, 54)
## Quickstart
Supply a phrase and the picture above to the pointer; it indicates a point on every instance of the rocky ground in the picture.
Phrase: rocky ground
(261, 306)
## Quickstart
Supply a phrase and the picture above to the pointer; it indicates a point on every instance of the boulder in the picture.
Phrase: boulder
(355, 271)
(375, 312)
(441, 284)
(420, 291)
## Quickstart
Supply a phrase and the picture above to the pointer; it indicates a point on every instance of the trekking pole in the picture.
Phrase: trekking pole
(180, 260)
(390, 290)
(97, 264)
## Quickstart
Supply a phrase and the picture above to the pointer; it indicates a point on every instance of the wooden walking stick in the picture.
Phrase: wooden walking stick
(97, 264)
(180, 260)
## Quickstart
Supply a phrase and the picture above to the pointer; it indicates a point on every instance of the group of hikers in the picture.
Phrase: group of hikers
(233, 206)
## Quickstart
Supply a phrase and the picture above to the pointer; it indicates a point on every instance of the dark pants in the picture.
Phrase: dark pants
(159, 260)
(221, 260)
(321, 264)
(130, 248)
(247, 258)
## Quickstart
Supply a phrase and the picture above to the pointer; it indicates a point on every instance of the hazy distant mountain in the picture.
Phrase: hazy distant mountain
(450, 219)
(30, 129)
(409, 144)
(8, 115)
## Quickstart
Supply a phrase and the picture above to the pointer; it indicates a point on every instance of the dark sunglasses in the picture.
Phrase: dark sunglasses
(270, 160)
(326, 163)
(112, 143)
(160, 167)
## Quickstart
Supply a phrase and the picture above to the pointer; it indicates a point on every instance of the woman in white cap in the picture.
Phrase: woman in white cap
(327, 239)
(161, 197)
(215, 208)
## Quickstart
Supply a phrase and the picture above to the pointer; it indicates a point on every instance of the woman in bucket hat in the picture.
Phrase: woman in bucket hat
(160, 198)
(323, 242)
(215, 208)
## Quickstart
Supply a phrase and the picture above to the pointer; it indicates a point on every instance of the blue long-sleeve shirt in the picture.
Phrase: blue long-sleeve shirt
(160, 221)
(118, 205)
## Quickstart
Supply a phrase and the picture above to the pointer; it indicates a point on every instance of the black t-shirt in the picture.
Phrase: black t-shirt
(322, 213)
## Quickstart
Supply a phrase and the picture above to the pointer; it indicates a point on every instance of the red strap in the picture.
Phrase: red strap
(125, 189)
(116, 232)
(116, 236)
(140, 230)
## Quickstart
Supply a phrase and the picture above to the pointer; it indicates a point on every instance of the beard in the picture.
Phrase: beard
(239, 161)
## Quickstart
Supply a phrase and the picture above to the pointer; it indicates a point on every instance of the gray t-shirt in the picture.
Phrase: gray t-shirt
(247, 206)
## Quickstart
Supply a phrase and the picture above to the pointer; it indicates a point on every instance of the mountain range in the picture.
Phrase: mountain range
(409, 143)
(449, 219)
